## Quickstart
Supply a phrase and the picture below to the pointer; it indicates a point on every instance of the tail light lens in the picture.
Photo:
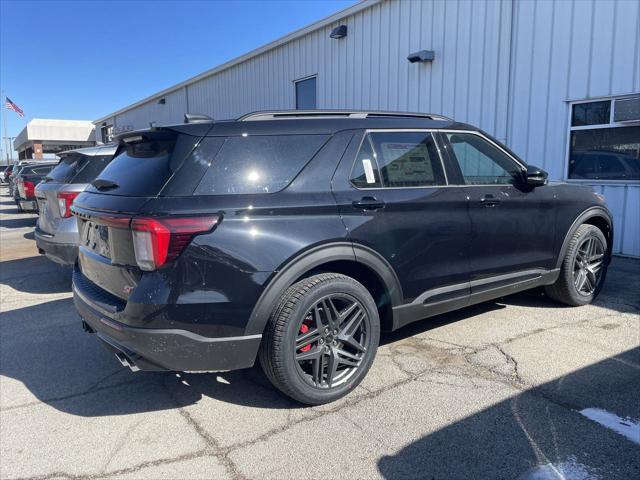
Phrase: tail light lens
(29, 189)
(65, 199)
(157, 241)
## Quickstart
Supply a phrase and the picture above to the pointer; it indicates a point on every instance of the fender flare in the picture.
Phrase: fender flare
(311, 259)
(582, 218)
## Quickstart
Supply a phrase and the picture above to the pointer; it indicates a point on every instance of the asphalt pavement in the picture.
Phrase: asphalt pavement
(519, 388)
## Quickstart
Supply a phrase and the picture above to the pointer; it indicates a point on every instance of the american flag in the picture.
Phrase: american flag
(12, 106)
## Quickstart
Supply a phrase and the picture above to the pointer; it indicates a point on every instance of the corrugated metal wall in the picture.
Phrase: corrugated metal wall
(507, 67)
(573, 50)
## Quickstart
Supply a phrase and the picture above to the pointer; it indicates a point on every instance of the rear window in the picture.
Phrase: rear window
(142, 168)
(42, 170)
(258, 164)
(66, 168)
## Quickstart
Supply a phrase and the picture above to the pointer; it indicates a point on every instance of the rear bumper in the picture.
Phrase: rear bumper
(62, 253)
(165, 349)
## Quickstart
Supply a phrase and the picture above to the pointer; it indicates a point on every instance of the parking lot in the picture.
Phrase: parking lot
(506, 389)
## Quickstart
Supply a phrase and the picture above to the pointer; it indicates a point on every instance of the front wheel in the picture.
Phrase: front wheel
(583, 269)
(321, 339)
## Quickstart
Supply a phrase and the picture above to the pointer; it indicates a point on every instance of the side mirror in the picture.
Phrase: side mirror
(536, 176)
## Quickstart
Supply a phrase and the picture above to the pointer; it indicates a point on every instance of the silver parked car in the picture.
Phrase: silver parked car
(56, 230)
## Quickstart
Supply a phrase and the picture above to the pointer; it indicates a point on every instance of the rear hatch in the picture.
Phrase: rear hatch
(165, 186)
(60, 187)
(140, 170)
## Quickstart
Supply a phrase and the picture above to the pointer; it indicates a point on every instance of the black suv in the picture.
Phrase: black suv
(295, 237)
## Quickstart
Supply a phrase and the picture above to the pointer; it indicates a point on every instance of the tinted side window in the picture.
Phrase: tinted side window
(91, 169)
(258, 164)
(481, 162)
(365, 173)
(408, 159)
(66, 168)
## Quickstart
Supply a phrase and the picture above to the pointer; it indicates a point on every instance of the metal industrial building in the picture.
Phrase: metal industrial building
(552, 79)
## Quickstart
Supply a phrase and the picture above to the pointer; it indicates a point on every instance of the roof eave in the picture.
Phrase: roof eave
(346, 12)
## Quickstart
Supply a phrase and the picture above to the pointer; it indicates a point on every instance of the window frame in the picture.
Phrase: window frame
(454, 160)
(365, 136)
(295, 90)
(599, 126)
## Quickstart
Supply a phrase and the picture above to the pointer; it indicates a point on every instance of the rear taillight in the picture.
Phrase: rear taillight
(157, 241)
(65, 199)
(29, 189)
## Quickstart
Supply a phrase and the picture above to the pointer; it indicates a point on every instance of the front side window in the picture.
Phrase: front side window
(604, 140)
(398, 160)
(306, 94)
(481, 162)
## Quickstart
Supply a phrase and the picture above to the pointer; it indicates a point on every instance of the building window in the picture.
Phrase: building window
(306, 94)
(604, 140)
(106, 133)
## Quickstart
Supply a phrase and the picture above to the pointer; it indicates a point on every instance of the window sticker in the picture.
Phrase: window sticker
(368, 170)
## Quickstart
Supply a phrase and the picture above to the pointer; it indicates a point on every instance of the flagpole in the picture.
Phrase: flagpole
(4, 122)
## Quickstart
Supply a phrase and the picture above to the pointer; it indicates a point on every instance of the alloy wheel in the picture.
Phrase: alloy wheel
(331, 341)
(587, 266)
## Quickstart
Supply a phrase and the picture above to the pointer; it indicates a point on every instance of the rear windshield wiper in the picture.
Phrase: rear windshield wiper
(101, 184)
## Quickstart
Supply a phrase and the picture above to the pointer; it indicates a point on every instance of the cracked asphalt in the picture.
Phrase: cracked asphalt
(491, 391)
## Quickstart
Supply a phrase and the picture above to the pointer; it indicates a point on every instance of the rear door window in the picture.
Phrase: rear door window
(258, 164)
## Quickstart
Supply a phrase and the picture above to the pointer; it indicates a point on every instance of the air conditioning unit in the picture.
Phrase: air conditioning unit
(626, 109)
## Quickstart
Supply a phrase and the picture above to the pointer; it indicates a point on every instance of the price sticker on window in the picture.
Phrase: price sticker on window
(368, 170)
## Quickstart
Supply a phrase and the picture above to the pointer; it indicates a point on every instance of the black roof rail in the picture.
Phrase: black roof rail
(289, 114)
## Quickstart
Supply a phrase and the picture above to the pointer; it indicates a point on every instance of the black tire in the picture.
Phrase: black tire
(565, 290)
(281, 354)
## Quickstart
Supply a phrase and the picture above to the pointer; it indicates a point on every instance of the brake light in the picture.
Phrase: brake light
(29, 189)
(65, 199)
(157, 241)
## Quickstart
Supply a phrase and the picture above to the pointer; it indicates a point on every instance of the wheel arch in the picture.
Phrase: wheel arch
(357, 261)
(597, 216)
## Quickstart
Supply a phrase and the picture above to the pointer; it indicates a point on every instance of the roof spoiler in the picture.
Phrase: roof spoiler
(197, 118)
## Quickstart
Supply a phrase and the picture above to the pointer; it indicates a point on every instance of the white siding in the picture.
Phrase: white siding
(509, 67)
(573, 50)
(171, 112)
(369, 70)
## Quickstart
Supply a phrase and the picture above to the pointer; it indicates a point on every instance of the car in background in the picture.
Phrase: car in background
(604, 165)
(295, 237)
(15, 170)
(3, 169)
(56, 230)
(5, 176)
(25, 184)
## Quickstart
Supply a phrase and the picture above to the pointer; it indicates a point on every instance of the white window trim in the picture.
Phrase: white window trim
(611, 124)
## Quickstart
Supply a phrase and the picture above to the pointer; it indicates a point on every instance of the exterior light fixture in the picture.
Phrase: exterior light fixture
(339, 32)
(421, 56)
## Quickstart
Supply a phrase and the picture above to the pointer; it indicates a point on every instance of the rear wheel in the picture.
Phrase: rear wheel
(583, 269)
(321, 339)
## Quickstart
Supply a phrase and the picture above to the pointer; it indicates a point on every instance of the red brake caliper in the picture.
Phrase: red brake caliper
(304, 328)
